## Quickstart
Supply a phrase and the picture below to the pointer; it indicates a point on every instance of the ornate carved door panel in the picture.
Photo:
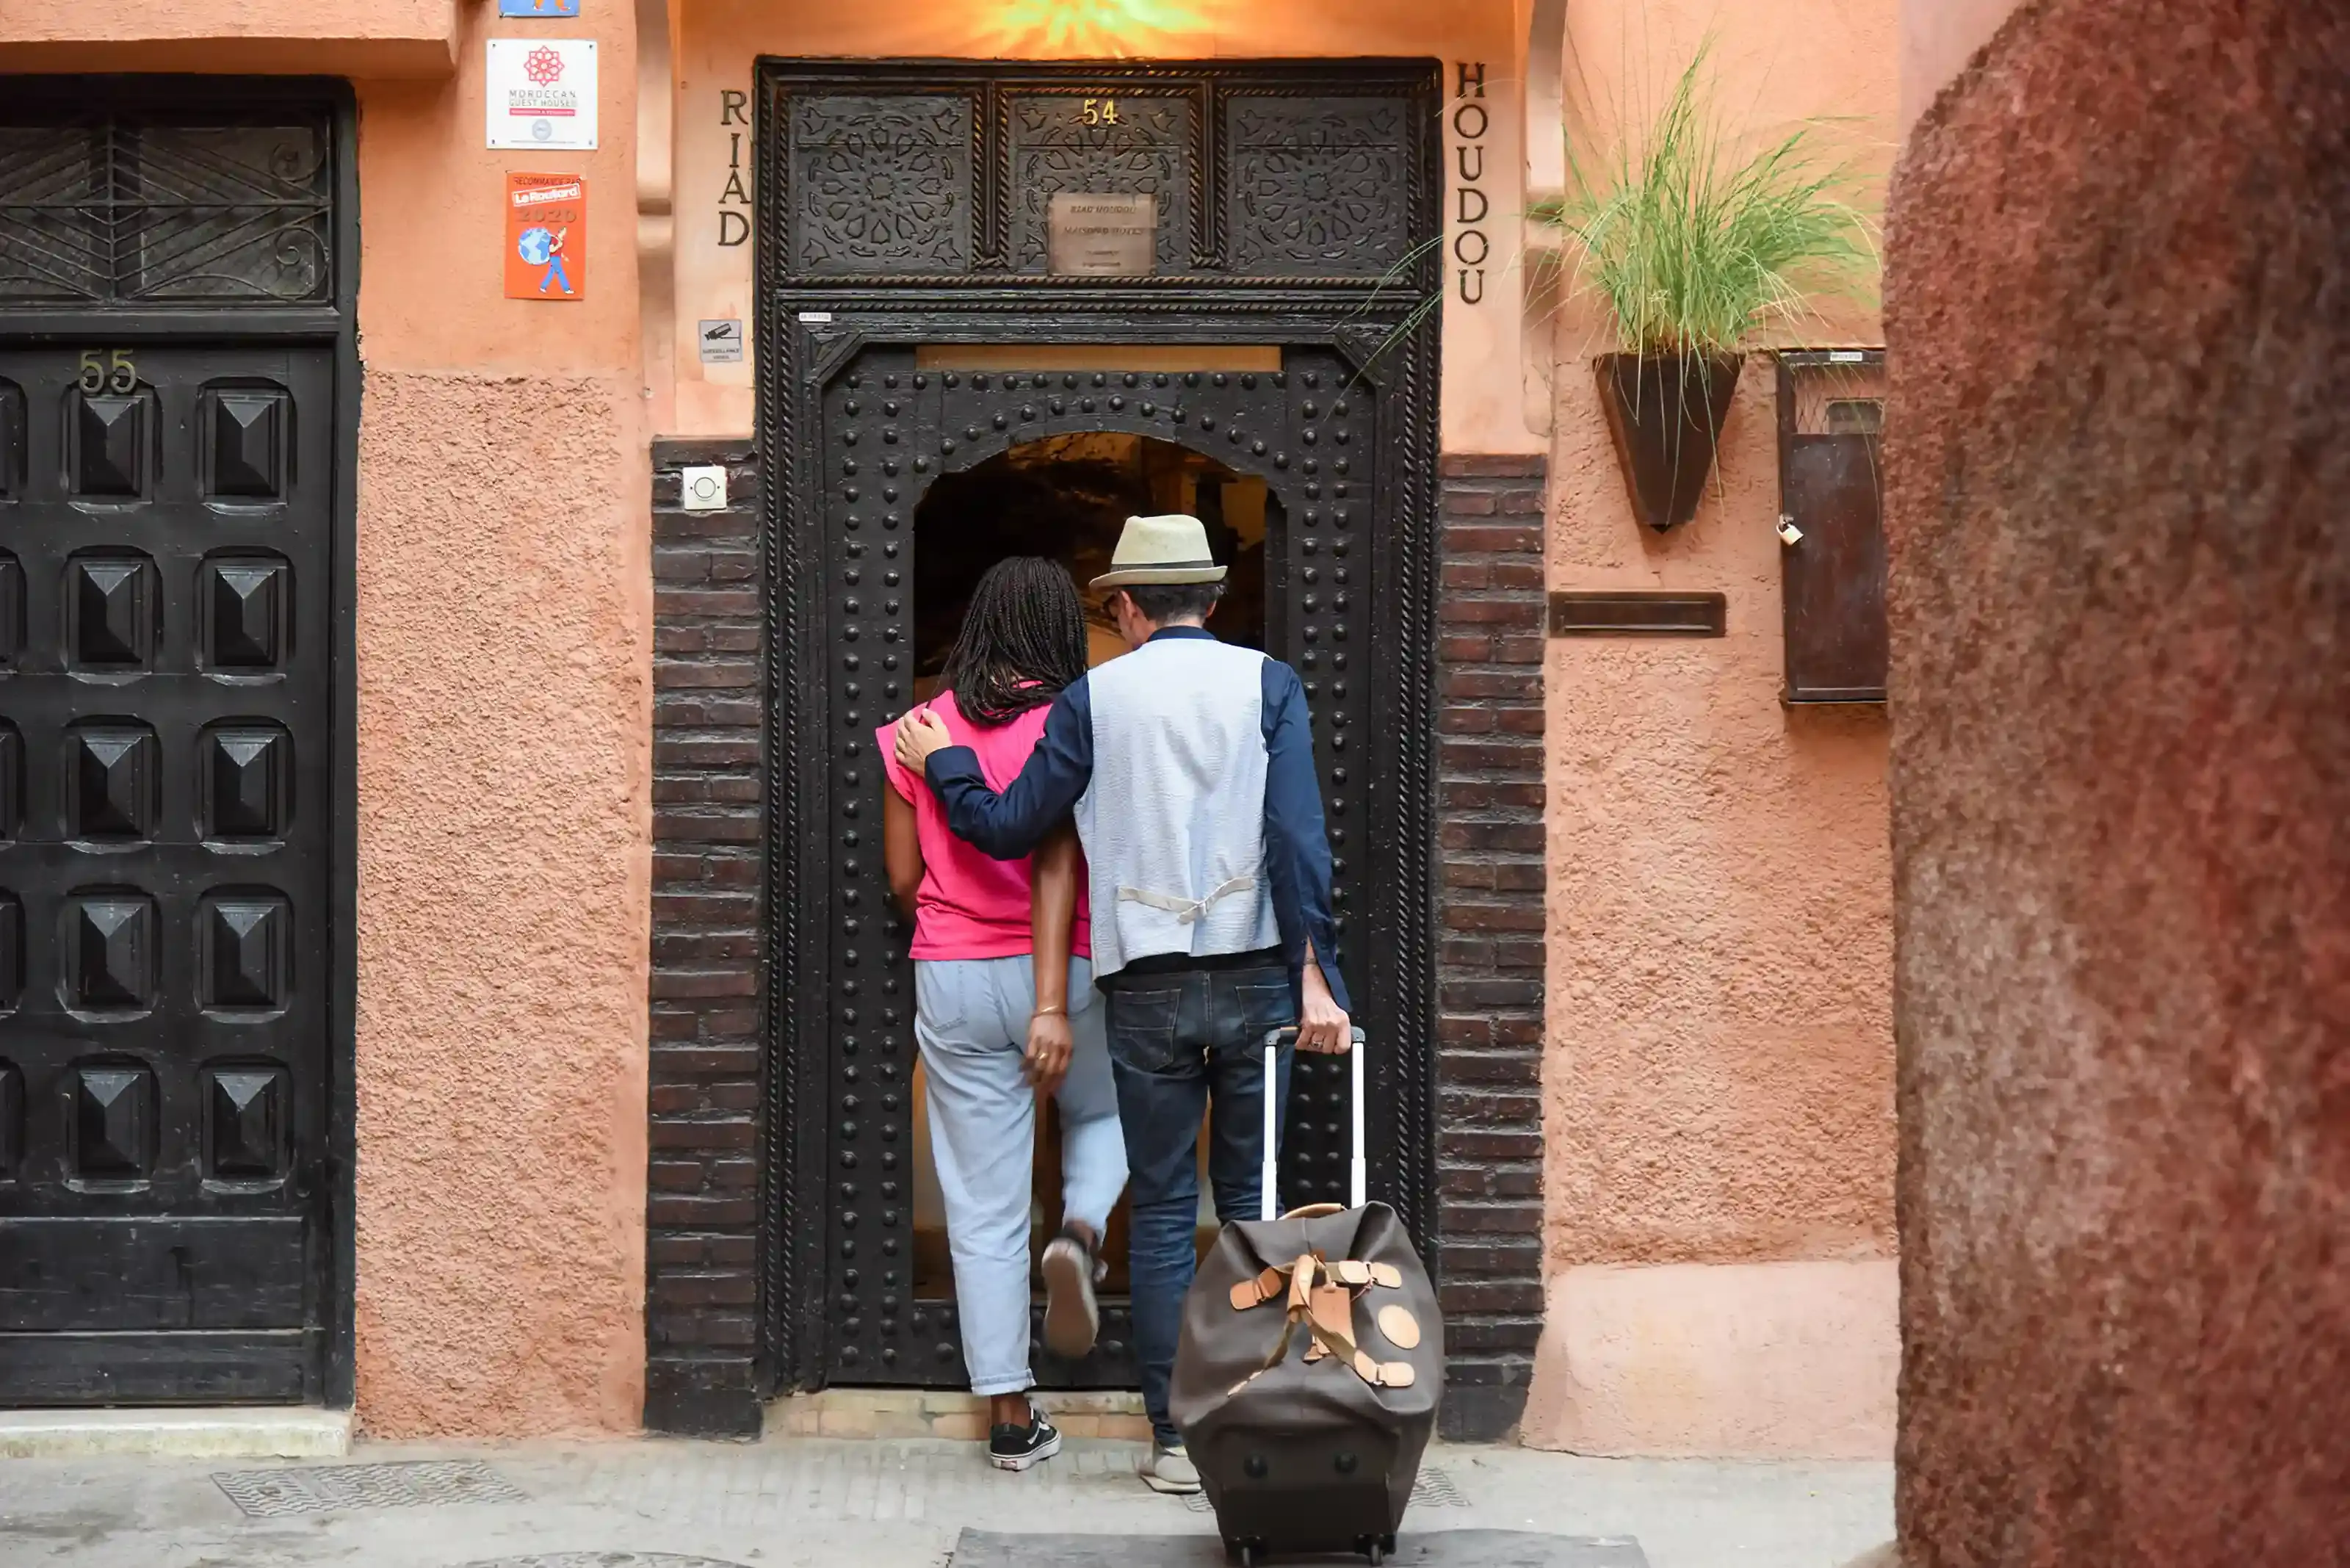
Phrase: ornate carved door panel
(171, 946)
(888, 430)
(904, 205)
(1290, 172)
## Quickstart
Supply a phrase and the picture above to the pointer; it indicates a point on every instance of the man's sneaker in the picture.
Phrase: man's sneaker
(1011, 1448)
(1170, 1469)
(1071, 1316)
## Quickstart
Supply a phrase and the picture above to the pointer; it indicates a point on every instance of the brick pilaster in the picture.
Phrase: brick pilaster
(702, 1212)
(1490, 756)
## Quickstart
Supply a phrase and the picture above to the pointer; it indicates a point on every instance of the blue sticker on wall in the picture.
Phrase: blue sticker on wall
(536, 10)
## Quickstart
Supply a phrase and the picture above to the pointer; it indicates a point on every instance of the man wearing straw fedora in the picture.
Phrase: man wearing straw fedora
(1189, 766)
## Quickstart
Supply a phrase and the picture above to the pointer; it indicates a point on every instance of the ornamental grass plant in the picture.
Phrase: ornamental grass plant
(1693, 246)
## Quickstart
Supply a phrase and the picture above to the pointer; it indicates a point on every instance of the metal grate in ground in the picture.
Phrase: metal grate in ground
(325, 1489)
(1434, 1489)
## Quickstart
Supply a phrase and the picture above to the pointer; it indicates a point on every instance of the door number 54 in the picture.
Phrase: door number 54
(115, 374)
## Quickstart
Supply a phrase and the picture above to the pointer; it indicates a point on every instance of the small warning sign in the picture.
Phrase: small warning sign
(547, 236)
(722, 341)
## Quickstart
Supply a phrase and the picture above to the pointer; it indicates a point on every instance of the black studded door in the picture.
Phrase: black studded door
(1282, 330)
(890, 430)
(166, 632)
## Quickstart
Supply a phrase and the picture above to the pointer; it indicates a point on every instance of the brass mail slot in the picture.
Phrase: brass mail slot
(1638, 614)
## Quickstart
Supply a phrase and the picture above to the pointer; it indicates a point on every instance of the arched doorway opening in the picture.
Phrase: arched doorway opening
(1065, 497)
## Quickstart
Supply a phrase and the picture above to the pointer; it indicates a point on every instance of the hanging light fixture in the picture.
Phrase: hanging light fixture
(1108, 28)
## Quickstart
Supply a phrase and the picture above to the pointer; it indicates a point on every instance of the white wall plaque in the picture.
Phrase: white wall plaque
(1101, 235)
(542, 93)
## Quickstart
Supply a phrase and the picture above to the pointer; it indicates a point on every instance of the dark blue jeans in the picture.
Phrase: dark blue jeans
(1186, 1044)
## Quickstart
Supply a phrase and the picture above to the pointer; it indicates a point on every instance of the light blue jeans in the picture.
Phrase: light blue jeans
(971, 1017)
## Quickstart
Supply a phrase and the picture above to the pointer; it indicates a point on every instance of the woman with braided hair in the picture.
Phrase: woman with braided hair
(1005, 1005)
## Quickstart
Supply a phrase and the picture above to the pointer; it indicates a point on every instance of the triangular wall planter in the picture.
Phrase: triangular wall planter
(1665, 413)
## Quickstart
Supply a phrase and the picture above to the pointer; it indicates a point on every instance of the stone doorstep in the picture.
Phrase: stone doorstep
(207, 1434)
(936, 1413)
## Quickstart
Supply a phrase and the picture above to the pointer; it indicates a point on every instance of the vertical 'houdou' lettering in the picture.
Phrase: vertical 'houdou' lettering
(1470, 246)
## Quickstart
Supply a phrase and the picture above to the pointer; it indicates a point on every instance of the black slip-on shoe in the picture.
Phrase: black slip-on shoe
(1011, 1448)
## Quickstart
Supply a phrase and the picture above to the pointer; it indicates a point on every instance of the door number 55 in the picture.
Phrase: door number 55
(116, 374)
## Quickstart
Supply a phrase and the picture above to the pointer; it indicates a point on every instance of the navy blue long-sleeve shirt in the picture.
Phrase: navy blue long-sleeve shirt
(1010, 825)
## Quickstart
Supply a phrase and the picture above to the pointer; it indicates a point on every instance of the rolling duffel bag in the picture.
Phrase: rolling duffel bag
(1306, 1380)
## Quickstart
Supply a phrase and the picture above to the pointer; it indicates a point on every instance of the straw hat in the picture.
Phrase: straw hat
(1168, 549)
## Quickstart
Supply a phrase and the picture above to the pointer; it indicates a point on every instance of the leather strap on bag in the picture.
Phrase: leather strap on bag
(1356, 1275)
(1324, 1327)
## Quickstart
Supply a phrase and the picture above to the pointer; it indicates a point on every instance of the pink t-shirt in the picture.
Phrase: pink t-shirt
(972, 906)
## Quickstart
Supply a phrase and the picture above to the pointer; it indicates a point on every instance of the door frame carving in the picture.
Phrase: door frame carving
(808, 327)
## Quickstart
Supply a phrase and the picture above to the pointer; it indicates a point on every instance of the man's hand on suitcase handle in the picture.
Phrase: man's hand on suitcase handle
(1320, 1023)
(1288, 1032)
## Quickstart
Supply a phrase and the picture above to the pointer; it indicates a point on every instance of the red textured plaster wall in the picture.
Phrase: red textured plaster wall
(2119, 503)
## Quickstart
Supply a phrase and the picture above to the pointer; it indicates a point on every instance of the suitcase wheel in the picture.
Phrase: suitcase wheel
(1241, 1552)
(1378, 1548)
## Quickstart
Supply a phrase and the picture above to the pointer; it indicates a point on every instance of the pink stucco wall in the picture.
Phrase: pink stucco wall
(1719, 1082)
(1721, 1079)
(505, 716)
(1938, 39)
(1718, 1090)
(1731, 1360)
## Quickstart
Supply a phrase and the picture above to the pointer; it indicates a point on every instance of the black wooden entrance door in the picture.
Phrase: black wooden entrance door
(889, 429)
(164, 796)
(176, 411)
(905, 205)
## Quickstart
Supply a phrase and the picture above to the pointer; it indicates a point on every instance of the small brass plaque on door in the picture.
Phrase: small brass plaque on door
(1104, 235)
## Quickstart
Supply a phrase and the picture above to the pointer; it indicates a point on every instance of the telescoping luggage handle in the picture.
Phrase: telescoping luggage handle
(1357, 1177)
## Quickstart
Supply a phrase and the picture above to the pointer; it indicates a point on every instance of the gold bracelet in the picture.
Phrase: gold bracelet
(1048, 1012)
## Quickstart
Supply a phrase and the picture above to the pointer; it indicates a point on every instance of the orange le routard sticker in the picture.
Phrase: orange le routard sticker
(547, 236)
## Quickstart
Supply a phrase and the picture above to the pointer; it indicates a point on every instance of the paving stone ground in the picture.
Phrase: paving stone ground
(816, 1503)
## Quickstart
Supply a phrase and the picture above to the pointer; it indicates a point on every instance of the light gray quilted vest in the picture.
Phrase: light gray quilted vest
(1174, 823)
